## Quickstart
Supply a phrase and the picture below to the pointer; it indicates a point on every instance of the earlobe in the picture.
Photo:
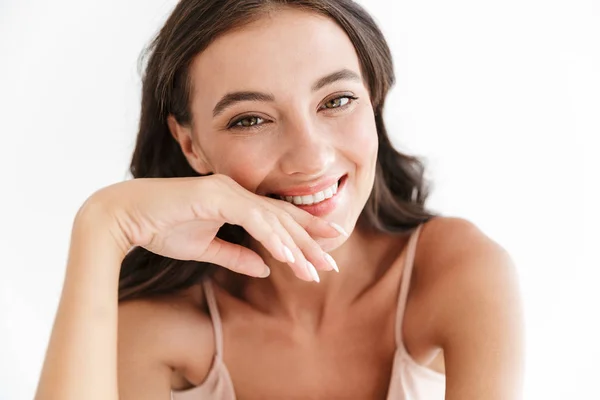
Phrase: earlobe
(183, 136)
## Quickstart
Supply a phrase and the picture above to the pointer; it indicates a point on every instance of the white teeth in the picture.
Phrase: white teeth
(312, 198)
(319, 197)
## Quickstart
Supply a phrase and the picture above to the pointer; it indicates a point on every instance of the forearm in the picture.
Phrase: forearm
(81, 360)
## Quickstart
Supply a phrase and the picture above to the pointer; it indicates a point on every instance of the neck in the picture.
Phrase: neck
(363, 259)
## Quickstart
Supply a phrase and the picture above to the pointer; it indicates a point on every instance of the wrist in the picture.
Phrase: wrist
(94, 222)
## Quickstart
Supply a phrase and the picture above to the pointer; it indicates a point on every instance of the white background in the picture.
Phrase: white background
(502, 98)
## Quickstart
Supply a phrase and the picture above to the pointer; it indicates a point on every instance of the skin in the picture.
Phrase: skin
(333, 339)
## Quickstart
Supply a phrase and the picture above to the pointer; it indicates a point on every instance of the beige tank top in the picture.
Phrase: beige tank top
(409, 380)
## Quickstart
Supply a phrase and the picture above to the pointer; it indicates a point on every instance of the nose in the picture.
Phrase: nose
(309, 151)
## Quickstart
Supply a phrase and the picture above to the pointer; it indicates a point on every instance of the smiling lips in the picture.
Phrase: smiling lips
(315, 198)
(312, 194)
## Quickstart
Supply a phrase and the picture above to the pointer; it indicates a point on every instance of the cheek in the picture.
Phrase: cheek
(234, 159)
(360, 140)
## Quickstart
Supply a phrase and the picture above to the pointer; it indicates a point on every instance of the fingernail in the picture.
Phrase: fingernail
(313, 271)
(266, 272)
(331, 261)
(339, 229)
(288, 254)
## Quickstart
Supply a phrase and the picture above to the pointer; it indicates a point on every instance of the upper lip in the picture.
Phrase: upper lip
(309, 188)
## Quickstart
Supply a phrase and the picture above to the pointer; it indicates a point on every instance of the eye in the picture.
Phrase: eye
(339, 102)
(249, 121)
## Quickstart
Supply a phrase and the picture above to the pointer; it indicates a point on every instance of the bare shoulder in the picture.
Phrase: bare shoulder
(470, 286)
(456, 258)
(450, 246)
(171, 333)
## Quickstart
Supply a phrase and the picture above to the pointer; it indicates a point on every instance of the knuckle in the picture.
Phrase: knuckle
(285, 206)
(287, 219)
(304, 240)
(313, 247)
(255, 215)
(270, 217)
(272, 237)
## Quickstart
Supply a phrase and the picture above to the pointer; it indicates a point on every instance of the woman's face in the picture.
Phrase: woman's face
(281, 107)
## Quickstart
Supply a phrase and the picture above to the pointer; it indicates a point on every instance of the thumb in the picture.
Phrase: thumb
(236, 258)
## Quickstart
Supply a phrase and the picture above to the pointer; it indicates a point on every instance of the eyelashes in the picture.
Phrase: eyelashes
(250, 122)
(246, 122)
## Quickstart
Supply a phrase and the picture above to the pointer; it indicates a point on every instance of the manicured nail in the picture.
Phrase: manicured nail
(313, 271)
(339, 229)
(266, 272)
(331, 261)
(288, 254)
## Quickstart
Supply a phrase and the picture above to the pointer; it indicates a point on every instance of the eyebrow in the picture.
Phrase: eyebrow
(234, 97)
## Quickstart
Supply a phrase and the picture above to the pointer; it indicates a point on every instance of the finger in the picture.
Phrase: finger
(235, 258)
(261, 220)
(264, 226)
(315, 226)
(307, 245)
(295, 258)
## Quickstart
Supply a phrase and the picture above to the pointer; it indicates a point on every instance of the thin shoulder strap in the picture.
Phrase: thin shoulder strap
(405, 281)
(213, 309)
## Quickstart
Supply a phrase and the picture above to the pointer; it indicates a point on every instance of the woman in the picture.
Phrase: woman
(264, 165)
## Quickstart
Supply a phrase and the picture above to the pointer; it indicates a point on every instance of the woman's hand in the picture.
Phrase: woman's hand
(180, 217)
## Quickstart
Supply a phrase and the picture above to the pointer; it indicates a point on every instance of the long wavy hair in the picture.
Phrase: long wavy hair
(397, 201)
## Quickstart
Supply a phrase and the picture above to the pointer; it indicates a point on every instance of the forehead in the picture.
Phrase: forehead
(282, 50)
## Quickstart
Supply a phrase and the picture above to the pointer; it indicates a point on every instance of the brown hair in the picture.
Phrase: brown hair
(396, 203)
